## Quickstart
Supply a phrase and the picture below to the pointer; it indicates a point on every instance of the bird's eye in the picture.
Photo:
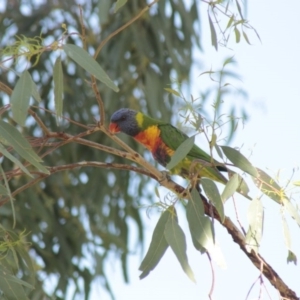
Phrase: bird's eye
(123, 118)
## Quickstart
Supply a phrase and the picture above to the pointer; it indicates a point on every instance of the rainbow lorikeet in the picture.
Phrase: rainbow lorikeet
(162, 139)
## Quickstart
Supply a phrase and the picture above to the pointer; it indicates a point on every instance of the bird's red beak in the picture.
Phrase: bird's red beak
(114, 128)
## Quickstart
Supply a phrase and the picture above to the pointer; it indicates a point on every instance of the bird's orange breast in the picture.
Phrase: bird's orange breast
(149, 137)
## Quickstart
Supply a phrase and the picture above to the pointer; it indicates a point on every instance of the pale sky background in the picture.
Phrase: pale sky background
(270, 73)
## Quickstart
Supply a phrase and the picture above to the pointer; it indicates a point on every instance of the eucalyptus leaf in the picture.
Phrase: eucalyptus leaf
(255, 219)
(213, 34)
(239, 160)
(20, 98)
(58, 88)
(158, 246)
(82, 58)
(212, 193)
(269, 186)
(119, 4)
(176, 239)
(181, 152)
(14, 138)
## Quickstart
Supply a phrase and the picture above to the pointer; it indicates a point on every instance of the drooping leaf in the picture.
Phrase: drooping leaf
(239, 160)
(213, 34)
(212, 192)
(20, 98)
(3, 190)
(201, 229)
(291, 257)
(181, 152)
(88, 63)
(158, 246)
(58, 88)
(176, 239)
(291, 210)
(269, 186)
(230, 187)
(14, 160)
(34, 91)
(255, 217)
(119, 4)
(237, 35)
(14, 138)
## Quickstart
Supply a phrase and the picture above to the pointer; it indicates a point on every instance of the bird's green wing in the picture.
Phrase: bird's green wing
(173, 138)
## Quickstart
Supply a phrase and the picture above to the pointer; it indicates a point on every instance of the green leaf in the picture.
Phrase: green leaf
(201, 229)
(34, 91)
(14, 138)
(14, 160)
(200, 226)
(158, 246)
(20, 98)
(181, 152)
(230, 187)
(286, 233)
(239, 9)
(212, 192)
(11, 286)
(255, 219)
(269, 186)
(88, 63)
(171, 91)
(291, 210)
(291, 257)
(3, 190)
(58, 88)
(119, 4)
(176, 239)
(213, 34)
(237, 35)
(239, 160)
(246, 37)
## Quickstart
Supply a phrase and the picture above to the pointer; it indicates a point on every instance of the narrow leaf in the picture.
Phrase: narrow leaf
(212, 192)
(246, 37)
(286, 233)
(20, 98)
(291, 210)
(14, 160)
(213, 34)
(181, 152)
(176, 239)
(14, 138)
(291, 257)
(88, 63)
(237, 35)
(34, 91)
(158, 246)
(119, 4)
(58, 88)
(269, 186)
(239, 9)
(3, 190)
(239, 160)
(255, 218)
(230, 187)
(171, 91)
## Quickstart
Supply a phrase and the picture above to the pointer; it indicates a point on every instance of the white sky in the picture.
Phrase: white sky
(270, 72)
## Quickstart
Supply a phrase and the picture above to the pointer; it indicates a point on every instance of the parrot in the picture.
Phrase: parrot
(162, 139)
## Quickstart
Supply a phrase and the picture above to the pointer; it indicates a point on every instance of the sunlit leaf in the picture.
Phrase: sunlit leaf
(269, 186)
(158, 246)
(14, 138)
(171, 91)
(176, 239)
(291, 210)
(119, 4)
(239, 160)
(58, 88)
(255, 217)
(212, 193)
(181, 152)
(20, 98)
(88, 63)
